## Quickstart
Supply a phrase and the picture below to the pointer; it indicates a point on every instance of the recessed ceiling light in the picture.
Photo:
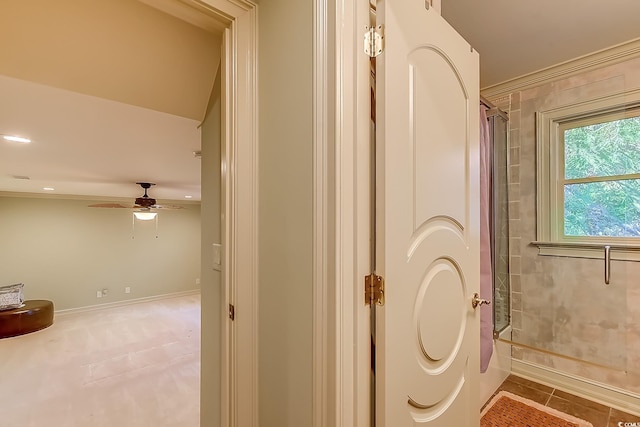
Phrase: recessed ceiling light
(48, 188)
(188, 197)
(14, 138)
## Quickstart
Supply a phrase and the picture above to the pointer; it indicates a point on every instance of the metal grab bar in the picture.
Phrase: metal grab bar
(607, 264)
(625, 253)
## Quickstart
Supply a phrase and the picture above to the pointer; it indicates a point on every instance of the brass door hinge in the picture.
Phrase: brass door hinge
(374, 289)
(374, 41)
(232, 312)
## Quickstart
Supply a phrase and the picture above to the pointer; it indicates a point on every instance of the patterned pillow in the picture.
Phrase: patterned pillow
(11, 296)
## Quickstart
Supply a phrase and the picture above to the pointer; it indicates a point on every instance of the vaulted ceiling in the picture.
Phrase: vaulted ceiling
(110, 91)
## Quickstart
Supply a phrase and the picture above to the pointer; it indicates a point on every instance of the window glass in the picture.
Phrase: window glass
(600, 183)
(602, 149)
(608, 208)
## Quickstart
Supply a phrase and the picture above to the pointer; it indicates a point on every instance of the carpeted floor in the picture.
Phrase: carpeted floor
(135, 365)
(509, 410)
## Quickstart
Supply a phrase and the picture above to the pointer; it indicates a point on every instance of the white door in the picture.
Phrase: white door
(427, 333)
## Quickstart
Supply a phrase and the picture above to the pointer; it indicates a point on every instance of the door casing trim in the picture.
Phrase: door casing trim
(239, 369)
(342, 349)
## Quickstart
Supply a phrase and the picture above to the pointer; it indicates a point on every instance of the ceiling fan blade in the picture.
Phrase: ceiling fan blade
(166, 207)
(143, 203)
(110, 205)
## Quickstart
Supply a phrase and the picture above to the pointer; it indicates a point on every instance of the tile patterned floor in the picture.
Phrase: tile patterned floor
(131, 366)
(597, 414)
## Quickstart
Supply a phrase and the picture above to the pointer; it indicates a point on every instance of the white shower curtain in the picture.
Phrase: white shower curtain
(486, 277)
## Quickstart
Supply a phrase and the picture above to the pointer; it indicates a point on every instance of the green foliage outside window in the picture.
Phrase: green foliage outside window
(602, 179)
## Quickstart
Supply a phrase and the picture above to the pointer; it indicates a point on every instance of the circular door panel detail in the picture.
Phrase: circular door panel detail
(439, 313)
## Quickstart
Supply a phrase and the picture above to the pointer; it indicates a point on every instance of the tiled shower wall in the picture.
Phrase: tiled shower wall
(561, 305)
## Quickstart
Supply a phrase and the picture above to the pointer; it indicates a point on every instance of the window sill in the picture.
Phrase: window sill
(588, 250)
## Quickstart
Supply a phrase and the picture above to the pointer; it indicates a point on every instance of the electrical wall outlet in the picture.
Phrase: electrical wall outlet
(198, 281)
(127, 290)
(105, 291)
(99, 294)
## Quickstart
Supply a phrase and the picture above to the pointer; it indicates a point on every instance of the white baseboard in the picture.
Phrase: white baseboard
(125, 302)
(598, 392)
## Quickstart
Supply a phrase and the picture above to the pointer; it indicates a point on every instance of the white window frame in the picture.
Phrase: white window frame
(550, 176)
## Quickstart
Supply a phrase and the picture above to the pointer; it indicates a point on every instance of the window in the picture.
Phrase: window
(589, 178)
(601, 179)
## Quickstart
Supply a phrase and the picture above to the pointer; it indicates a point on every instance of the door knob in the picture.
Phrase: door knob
(476, 301)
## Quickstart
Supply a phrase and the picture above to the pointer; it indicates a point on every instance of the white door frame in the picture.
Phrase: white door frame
(322, 224)
(341, 356)
(341, 337)
(353, 213)
(341, 197)
(341, 382)
(239, 369)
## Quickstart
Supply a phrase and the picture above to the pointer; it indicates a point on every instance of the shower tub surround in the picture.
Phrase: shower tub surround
(560, 304)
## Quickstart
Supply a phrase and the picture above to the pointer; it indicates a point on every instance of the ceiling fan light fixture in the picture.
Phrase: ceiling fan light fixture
(145, 216)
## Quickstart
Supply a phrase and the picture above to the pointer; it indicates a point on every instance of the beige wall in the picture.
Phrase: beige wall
(64, 251)
(285, 215)
(211, 279)
(562, 304)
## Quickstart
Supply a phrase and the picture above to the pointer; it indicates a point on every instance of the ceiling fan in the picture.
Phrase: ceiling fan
(142, 203)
